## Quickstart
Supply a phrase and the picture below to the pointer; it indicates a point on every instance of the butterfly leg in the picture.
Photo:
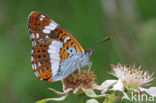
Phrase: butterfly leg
(78, 67)
(89, 65)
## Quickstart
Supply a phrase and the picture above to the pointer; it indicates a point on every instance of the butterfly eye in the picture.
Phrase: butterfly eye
(89, 51)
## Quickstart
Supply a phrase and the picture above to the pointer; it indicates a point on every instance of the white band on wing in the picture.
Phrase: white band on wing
(54, 54)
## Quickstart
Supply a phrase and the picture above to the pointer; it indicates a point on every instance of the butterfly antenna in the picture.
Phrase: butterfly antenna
(91, 50)
(108, 37)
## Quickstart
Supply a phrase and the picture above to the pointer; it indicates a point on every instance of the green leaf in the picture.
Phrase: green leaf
(42, 101)
(78, 90)
(109, 98)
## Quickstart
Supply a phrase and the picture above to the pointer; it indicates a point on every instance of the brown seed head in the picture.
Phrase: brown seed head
(85, 78)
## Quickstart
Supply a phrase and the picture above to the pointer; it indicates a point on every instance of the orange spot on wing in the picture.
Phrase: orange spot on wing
(46, 75)
(65, 34)
(36, 25)
(63, 53)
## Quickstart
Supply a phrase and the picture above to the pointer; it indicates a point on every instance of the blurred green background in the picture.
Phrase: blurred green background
(132, 23)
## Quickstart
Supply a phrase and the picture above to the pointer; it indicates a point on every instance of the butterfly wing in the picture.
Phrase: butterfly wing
(52, 45)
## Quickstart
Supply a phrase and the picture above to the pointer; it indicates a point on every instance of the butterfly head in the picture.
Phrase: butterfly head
(89, 51)
(85, 58)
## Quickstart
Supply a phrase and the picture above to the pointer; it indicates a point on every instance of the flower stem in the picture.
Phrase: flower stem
(106, 100)
(80, 98)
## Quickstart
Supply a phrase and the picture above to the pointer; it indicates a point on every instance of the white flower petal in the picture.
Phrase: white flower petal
(118, 86)
(92, 101)
(105, 85)
(92, 94)
(151, 91)
(142, 89)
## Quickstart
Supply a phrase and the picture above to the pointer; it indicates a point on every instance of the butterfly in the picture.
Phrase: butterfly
(55, 53)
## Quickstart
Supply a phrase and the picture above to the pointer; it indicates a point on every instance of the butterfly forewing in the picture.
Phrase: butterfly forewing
(52, 44)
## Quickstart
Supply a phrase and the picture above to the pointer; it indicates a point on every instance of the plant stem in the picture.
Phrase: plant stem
(80, 98)
(106, 100)
(110, 100)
